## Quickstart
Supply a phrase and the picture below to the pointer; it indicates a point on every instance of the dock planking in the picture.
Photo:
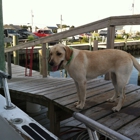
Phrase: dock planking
(59, 95)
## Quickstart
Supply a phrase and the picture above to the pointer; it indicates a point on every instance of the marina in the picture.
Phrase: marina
(54, 97)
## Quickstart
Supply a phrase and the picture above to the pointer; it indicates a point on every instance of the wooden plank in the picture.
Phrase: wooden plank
(67, 91)
(132, 130)
(39, 88)
(116, 120)
(62, 87)
(68, 100)
(104, 109)
(99, 98)
(25, 81)
(125, 20)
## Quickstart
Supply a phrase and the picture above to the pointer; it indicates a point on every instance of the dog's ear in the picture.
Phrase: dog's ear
(68, 53)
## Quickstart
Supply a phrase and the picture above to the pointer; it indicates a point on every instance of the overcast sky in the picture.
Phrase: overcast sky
(74, 12)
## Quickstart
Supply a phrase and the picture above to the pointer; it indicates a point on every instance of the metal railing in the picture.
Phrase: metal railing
(93, 127)
(3, 77)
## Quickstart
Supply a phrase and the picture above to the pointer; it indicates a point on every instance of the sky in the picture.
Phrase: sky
(74, 12)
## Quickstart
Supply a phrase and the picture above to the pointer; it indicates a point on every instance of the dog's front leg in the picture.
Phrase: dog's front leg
(81, 94)
(78, 92)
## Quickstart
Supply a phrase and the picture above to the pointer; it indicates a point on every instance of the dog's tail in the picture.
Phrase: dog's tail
(135, 63)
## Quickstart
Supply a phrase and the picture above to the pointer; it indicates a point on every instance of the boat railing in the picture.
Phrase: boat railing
(93, 127)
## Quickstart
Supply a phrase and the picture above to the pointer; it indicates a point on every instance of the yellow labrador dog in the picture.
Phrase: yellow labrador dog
(82, 65)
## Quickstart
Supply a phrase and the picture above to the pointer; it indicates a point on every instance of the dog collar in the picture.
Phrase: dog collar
(70, 58)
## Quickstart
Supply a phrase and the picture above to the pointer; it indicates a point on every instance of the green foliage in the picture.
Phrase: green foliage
(119, 37)
(54, 30)
(65, 26)
(126, 34)
(30, 37)
(84, 39)
(138, 33)
(72, 27)
(95, 34)
(24, 26)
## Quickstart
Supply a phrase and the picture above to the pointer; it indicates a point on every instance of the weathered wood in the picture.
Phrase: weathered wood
(44, 61)
(133, 128)
(110, 37)
(40, 61)
(15, 53)
(110, 44)
(55, 125)
(117, 119)
(95, 45)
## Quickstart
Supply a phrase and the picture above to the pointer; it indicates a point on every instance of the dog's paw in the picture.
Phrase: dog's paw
(79, 107)
(116, 109)
(111, 100)
(76, 103)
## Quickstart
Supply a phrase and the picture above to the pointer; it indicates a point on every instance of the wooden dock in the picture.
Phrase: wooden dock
(59, 95)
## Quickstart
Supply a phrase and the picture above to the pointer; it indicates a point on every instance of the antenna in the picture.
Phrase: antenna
(32, 16)
(61, 22)
(132, 14)
(133, 7)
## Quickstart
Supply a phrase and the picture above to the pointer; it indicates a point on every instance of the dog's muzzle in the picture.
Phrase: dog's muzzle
(55, 67)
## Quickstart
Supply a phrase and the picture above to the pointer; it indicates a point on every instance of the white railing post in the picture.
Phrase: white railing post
(3, 76)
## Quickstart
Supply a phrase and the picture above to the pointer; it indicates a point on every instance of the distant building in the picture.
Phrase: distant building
(11, 26)
(53, 28)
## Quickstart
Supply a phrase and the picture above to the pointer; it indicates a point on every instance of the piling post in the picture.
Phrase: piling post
(125, 42)
(47, 57)
(2, 57)
(90, 43)
(15, 53)
(43, 63)
(95, 45)
(110, 44)
(40, 61)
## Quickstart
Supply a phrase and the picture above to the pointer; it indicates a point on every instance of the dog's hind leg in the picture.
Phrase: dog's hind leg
(121, 83)
(122, 77)
(116, 93)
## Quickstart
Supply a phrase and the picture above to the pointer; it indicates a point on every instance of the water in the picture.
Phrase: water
(133, 78)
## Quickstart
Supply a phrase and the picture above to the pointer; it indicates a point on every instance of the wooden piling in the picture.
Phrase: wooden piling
(110, 44)
(95, 45)
(15, 53)
(43, 62)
